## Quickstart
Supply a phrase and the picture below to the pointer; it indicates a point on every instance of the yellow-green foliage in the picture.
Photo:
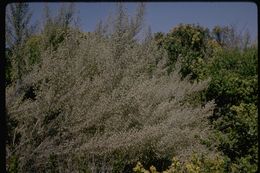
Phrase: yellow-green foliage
(188, 44)
(13, 164)
(196, 164)
(32, 50)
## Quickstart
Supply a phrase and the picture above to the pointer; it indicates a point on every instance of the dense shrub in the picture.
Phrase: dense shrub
(92, 103)
(235, 89)
(233, 86)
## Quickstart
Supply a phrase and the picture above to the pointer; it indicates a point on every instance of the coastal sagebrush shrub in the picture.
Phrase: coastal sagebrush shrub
(89, 102)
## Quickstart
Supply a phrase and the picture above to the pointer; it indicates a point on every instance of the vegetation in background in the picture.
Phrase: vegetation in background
(102, 101)
(234, 87)
(231, 63)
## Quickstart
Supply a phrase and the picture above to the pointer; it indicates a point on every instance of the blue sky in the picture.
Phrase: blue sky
(162, 16)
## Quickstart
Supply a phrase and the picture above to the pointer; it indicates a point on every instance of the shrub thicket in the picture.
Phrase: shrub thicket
(100, 102)
(231, 63)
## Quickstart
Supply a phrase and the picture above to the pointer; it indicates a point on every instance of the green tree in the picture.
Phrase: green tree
(188, 44)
